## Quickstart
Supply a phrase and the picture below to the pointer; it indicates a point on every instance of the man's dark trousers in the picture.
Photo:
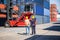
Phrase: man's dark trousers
(33, 30)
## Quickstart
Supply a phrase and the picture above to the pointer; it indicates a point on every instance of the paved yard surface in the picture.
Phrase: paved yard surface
(48, 31)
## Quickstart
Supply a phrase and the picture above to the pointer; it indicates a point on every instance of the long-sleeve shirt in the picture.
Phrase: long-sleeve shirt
(33, 22)
(27, 22)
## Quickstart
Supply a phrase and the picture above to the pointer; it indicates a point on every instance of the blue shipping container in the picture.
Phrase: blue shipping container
(5, 2)
(46, 12)
(46, 19)
(14, 2)
(39, 19)
(47, 0)
(22, 8)
(46, 4)
(39, 2)
(39, 10)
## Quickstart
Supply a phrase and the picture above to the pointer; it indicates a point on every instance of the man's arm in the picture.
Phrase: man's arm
(35, 21)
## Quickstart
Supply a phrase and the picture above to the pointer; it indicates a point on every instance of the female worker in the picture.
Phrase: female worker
(27, 22)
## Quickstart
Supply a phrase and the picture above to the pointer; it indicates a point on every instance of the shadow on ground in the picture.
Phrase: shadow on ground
(44, 37)
(56, 23)
(53, 28)
(22, 33)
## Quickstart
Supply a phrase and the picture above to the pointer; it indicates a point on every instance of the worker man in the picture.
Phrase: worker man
(27, 22)
(33, 24)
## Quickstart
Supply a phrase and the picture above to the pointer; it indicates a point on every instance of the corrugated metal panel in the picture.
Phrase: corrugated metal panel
(46, 19)
(14, 2)
(2, 1)
(29, 0)
(39, 19)
(46, 4)
(39, 1)
(5, 2)
(21, 8)
(39, 10)
(53, 13)
(47, 0)
(46, 12)
(26, 1)
(2, 21)
(54, 20)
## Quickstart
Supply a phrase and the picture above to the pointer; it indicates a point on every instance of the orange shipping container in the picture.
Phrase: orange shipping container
(53, 13)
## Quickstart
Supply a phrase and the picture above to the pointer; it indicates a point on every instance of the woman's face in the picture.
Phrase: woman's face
(26, 17)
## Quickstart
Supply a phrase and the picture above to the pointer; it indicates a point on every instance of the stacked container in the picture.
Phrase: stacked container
(41, 9)
(53, 13)
(46, 11)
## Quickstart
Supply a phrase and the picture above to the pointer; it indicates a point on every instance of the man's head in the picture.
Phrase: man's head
(33, 16)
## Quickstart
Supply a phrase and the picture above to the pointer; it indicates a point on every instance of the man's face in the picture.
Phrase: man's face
(33, 17)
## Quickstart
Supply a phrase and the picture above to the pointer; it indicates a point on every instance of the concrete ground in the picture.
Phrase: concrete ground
(48, 31)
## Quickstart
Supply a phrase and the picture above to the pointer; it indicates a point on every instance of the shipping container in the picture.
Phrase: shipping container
(46, 19)
(5, 2)
(39, 10)
(29, 0)
(53, 20)
(2, 1)
(46, 12)
(2, 21)
(53, 13)
(39, 19)
(40, 2)
(14, 2)
(46, 4)
(47, 0)
(21, 8)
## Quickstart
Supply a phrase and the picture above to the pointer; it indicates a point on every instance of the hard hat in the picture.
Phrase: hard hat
(26, 17)
(33, 16)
